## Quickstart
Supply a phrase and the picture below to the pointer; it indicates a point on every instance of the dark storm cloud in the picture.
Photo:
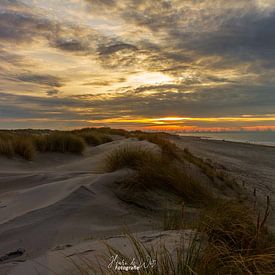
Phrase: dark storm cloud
(48, 80)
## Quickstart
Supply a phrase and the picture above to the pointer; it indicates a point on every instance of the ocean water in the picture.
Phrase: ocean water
(265, 138)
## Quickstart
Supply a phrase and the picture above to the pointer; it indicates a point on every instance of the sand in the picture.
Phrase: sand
(60, 205)
(60, 198)
(253, 165)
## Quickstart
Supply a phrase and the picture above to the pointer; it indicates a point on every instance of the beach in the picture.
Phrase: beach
(59, 205)
(251, 164)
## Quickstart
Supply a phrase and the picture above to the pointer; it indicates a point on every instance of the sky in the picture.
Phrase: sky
(185, 65)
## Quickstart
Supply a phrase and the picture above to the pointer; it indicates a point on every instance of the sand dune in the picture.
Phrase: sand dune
(45, 203)
(63, 207)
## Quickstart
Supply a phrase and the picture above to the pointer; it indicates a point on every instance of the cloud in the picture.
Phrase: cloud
(111, 49)
(47, 80)
(219, 56)
(23, 27)
(52, 92)
(71, 44)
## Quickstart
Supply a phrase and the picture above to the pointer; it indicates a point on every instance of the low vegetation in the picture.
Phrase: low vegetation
(95, 138)
(25, 143)
(24, 147)
(60, 142)
(6, 147)
(168, 148)
(230, 237)
(233, 238)
(238, 240)
(153, 170)
(11, 146)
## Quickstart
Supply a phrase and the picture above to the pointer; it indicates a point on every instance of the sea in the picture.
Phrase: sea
(260, 137)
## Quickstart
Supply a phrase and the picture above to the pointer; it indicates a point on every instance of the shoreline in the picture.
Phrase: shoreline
(258, 143)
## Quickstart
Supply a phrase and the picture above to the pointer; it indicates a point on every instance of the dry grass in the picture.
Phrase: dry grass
(129, 157)
(95, 138)
(153, 171)
(211, 172)
(182, 262)
(24, 147)
(6, 147)
(168, 148)
(12, 145)
(60, 142)
(238, 241)
(174, 219)
(103, 131)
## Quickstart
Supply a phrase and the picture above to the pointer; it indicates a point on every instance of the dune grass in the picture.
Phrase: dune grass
(229, 239)
(129, 157)
(24, 147)
(103, 131)
(211, 172)
(60, 142)
(154, 171)
(6, 147)
(27, 142)
(94, 138)
(158, 260)
(12, 145)
(168, 148)
(238, 240)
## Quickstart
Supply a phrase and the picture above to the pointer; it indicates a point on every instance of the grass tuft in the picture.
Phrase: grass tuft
(153, 171)
(168, 148)
(25, 148)
(95, 138)
(128, 157)
(6, 147)
(238, 241)
(60, 142)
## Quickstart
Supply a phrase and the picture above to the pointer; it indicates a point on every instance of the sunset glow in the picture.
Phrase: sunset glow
(184, 65)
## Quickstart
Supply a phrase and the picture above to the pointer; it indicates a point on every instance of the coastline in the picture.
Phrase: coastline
(252, 142)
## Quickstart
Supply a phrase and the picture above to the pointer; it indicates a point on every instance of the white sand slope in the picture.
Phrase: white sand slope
(59, 199)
